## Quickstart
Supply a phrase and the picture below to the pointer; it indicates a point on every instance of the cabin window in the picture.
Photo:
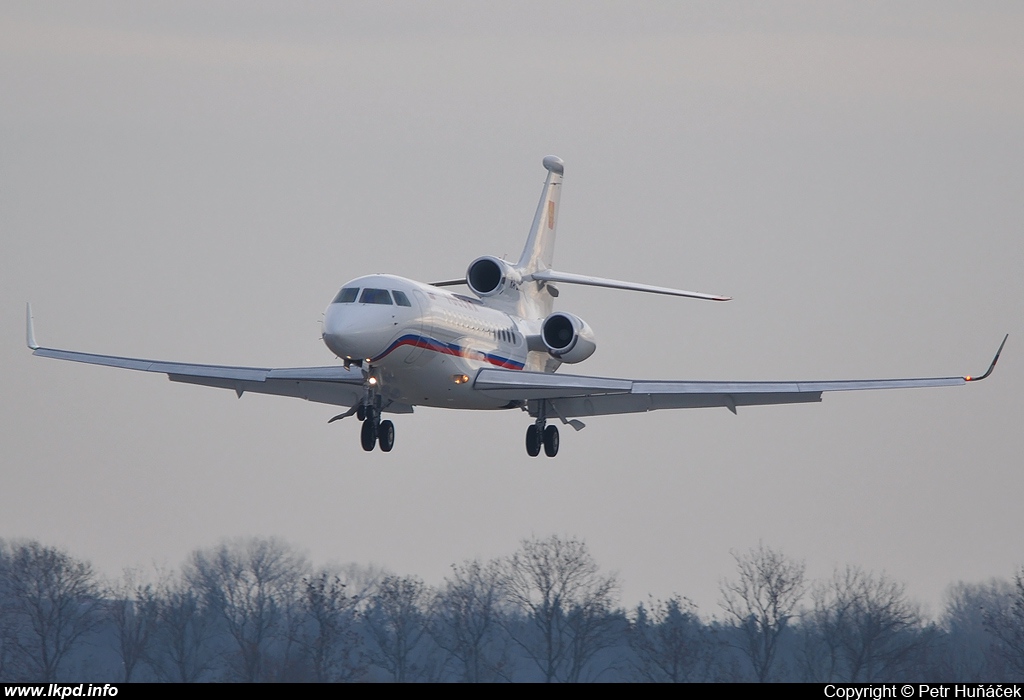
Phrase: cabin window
(346, 295)
(400, 298)
(375, 296)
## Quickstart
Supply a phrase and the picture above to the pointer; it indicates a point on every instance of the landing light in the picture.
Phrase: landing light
(372, 380)
(460, 378)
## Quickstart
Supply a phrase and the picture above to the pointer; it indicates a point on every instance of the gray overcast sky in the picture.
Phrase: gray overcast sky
(194, 181)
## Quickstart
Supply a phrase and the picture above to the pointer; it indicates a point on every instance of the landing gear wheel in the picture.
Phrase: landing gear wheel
(368, 435)
(386, 435)
(361, 413)
(551, 440)
(533, 440)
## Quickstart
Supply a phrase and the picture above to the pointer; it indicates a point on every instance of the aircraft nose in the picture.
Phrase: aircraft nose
(351, 332)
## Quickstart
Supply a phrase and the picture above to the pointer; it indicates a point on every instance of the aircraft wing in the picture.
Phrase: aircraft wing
(575, 396)
(331, 385)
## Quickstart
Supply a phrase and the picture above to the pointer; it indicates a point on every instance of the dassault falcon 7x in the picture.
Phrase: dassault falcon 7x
(403, 344)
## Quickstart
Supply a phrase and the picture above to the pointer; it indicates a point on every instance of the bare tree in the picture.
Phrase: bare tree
(254, 585)
(7, 644)
(1007, 624)
(868, 626)
(671, 643)
(181, 650)
(53, 602)
(761, 602)
(567, 603)
(328, 635)
(971, 649)
(8, 628)
(466, 621)
(131, 608)
(397, 620)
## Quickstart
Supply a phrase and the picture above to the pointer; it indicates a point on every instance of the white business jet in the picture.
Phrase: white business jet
(404, 344)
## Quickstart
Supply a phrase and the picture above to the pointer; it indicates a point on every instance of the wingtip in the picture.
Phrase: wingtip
(992, 366)
(30, 331)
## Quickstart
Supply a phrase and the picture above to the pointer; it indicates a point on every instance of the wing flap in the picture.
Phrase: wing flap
(538, 385)
(583, 406)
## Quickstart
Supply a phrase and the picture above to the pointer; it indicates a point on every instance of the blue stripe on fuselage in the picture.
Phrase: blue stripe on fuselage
(420, 341)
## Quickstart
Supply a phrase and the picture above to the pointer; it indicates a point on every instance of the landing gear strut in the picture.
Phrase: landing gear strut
(542, 435)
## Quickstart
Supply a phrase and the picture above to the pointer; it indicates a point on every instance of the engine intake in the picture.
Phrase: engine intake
(568, 337)
(488, 276)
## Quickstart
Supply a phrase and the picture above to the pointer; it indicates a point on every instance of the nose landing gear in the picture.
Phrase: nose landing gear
(368, 433)
(375, 431)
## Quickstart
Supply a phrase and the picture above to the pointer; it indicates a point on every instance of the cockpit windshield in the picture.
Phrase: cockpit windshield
(346, 295)
(375, 296)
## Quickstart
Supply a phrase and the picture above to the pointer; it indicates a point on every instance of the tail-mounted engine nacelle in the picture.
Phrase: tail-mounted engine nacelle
(568, 337)
(488, 276)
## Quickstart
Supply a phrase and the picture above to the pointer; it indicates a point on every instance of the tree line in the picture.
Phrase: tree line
(257, 610)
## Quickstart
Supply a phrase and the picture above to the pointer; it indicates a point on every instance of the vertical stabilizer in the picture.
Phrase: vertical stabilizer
(540, 246)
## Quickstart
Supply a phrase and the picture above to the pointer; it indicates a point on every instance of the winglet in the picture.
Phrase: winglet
(992, 366)
(30, 331)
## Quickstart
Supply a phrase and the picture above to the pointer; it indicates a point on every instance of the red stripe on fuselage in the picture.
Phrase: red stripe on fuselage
(447, 349)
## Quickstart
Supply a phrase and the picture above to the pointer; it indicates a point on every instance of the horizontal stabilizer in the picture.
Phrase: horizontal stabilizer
(569, 278)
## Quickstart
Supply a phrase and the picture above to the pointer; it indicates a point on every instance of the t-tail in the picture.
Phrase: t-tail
(540, 245)
(527, 287)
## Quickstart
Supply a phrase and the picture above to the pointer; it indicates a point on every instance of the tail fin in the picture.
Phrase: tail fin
(540, 246)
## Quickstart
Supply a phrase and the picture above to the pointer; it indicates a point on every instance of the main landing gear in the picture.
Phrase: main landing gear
(538, 436)
(541, 435)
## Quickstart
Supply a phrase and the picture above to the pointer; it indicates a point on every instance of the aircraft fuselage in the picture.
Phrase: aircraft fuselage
(423, 343)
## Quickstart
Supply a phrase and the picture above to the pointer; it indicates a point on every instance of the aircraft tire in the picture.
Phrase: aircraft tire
(386, 435)
(368, 435)
(551, 440)
(361, 413)
(533, 440)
